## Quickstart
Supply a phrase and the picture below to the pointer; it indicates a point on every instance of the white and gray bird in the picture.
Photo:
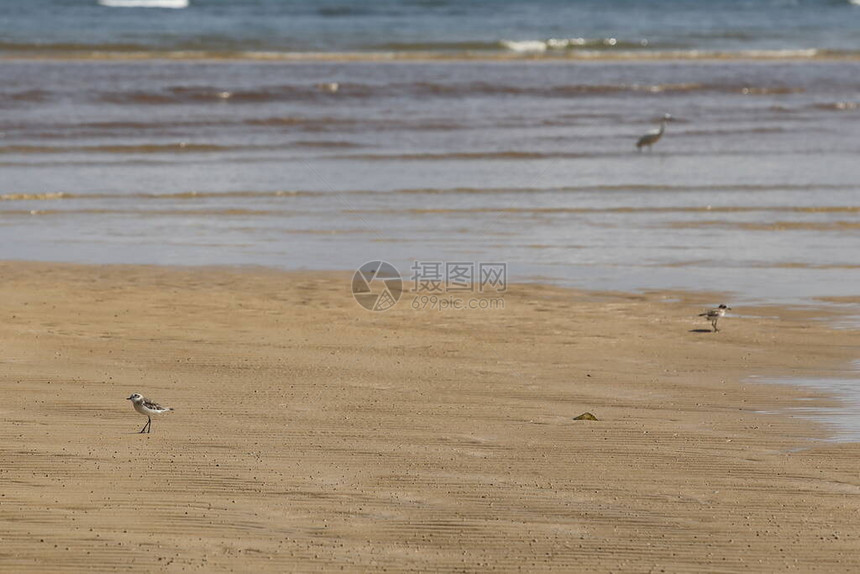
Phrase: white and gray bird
(713, 315)
(147, 408)
(653, 136)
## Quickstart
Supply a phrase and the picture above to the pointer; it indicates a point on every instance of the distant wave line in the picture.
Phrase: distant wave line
(76, 52)
(524, 155)
(620, 188)
(220, 94)
(770, 225)
(170, 4)
(511, 211)
(570, 44)
(610, 210)
(121, 149)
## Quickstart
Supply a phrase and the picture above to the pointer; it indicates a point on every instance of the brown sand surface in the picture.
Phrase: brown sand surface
(312, 435)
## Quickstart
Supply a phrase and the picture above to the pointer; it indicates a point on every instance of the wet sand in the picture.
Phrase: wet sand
(311, 435)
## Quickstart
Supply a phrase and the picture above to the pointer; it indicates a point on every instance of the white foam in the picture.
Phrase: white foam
(174, 4)
(561, 43)
(525, 45)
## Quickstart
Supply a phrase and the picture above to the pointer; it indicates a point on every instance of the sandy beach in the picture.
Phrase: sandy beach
(312, 435)
(188, 187)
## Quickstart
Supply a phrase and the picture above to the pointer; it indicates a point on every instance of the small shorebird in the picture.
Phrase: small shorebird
(148, 408)
(713, 315)
(653, 136)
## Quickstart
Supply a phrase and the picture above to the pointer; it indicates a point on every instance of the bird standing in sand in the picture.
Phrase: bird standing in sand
(713, 315)
(147, 408)
(653, 136)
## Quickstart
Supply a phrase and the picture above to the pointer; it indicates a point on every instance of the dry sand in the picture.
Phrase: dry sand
(311, 435)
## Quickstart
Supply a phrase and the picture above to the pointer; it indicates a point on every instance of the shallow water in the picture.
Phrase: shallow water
(842, 421)
(754, 190)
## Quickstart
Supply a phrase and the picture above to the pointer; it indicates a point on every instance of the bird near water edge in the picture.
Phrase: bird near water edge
(653, 136)
(713, 315)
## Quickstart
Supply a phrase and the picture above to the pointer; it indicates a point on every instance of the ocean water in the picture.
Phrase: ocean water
(754, 189)
(218, 134)
(556, 27)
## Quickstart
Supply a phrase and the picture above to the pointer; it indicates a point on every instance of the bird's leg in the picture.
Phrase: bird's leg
(144, 427)
(715, 325)
(149, 421)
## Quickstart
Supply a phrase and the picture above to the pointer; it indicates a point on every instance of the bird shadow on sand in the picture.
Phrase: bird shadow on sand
(700, 331)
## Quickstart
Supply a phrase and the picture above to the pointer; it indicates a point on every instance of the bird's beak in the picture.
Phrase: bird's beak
(129, 398)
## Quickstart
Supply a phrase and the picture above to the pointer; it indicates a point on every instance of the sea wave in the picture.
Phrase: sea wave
(769, 226)
(843, 106)
(552, 49)
(464, 46)
(171, 4)
(118, 149)
(33, 196)
(202, 94)
(183, 196)
(190, 196)
(175, 95)
(498, 155)
(571, 44)
(851, 225)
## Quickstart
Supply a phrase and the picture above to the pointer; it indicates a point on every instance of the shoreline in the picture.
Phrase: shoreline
(312, 434)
